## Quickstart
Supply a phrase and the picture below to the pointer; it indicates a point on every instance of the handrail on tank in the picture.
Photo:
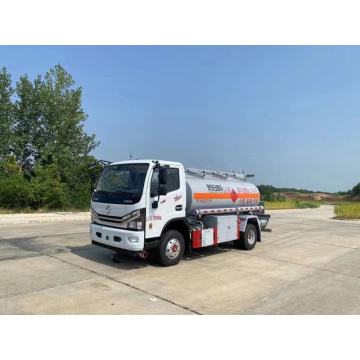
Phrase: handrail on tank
(196, 172)
(223, 174)
(220, 174)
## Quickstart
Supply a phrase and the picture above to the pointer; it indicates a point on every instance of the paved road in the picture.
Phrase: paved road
(309, 264)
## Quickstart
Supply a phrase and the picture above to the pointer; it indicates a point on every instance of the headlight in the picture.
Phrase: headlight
(138, 222)
(132, 225)
(92, 215)
(135, 225)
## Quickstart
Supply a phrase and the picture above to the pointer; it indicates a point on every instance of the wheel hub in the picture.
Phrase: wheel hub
(172, 249)
(251, 237)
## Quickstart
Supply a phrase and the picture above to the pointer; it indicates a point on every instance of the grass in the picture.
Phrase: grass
(15, 211)
(291, 204)
(348, 211)
(5, 211)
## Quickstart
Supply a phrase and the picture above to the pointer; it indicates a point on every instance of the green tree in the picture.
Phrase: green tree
(50, 122)
(28, 122)
(270, 193)
(6, 112)
(356, 190)
(43, 141)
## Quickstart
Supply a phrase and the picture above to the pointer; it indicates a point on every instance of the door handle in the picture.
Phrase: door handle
(178, 207)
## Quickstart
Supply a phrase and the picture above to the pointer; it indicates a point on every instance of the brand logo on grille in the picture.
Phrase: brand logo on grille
(108, 209)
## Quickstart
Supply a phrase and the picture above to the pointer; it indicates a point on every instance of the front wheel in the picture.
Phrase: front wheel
(248, 239)
(171, 249)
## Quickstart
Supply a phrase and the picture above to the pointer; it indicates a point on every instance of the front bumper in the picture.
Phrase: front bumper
(117, 238)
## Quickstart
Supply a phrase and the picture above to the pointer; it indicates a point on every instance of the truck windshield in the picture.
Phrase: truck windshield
(121, 184)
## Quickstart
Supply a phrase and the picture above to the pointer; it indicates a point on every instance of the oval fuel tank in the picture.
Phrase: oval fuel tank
(213, 193)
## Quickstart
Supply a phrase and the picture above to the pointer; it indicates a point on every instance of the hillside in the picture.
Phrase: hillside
(271, 193)
(318, 196)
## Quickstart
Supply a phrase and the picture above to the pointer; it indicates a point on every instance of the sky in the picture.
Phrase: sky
(289, 114)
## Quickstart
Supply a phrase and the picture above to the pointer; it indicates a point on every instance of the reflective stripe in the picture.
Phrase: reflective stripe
(222, 196)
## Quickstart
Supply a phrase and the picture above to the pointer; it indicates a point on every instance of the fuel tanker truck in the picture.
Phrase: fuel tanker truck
(159, 207)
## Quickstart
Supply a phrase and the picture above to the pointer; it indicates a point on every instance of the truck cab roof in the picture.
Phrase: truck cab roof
(148, 161)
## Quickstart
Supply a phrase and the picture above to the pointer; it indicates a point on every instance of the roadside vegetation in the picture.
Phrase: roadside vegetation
(45, 160)
(346, 203)
(348, 211)
(291, 204)
(275, 199)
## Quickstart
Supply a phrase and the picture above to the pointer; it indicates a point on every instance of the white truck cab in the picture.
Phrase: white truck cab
(149, 205)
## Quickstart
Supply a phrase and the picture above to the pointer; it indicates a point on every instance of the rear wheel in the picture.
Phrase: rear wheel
(171, 249)
(248, 239)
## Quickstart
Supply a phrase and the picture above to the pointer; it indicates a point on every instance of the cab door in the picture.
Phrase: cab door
(164, 208)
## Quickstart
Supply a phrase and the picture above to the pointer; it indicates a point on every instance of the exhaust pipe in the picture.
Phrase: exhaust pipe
(143, 254)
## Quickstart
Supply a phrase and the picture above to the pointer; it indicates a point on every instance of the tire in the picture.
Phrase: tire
(248, 239)
(171, 249)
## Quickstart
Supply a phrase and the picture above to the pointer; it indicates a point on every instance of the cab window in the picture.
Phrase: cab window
(173, 181)
(154, 186)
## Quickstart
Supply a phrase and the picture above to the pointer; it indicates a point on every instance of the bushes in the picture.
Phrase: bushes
(306, 204)
(79, 194)
(43, 190)
(15, 191)
(270, 193)
(47, 190)
(279, 205)
(348, 211)
(291, 204)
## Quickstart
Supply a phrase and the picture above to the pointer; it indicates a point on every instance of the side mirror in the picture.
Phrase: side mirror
(163, 176)
(163, 190)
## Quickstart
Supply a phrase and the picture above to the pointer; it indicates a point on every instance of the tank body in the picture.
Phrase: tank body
(212, 192)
